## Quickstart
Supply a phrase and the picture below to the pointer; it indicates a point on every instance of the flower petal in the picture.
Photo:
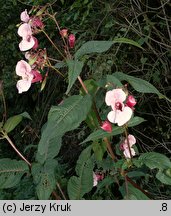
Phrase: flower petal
(127, 153)
(25, 45)
(23, 85)
(22, 68)
(24, 16)
(114, 96)
(24, 30)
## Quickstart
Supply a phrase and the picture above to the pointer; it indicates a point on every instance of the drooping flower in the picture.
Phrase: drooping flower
(120, 113)
(23, 69)
(130, 102)
(71, 40)
(106, 126)
(24, 16)
(125, 146)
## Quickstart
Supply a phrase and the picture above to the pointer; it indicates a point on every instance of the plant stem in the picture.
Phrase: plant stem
(108, 144)
(53, 44)
(13, 146)
(3, 100)
(59, 187)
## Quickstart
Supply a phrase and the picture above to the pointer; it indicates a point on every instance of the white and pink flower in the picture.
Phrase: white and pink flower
(126, 146)
(120, 113)
(24, 16)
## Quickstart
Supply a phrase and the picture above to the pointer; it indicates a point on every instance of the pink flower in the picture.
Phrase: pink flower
(23, 69)
(130, 102)
(120, 114)
(127, 153)
(71, 40)
(27, 43)
(24, 30)
(37, 76)
(24, 16)
(124, 146)
(96, 178)
(64, 33)
(106, 126)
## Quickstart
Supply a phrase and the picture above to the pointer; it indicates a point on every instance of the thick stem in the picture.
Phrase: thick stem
(13, 146)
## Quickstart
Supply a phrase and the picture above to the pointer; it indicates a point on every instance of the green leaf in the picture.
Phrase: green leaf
(99, 149)
(50, 150)
(127, 41)
(13, 121)
(61, 119)
(60, 65)
(91, 47)
(138, 84)
(135, 121)
(155, 160)
(78, 186)
(11, 172)
(100, 134)
(112, 79)
(132, 193)
(75, 68)
(165, 179)
(44, 178)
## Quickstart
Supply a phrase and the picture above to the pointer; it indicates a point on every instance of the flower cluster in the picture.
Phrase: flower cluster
(126, 146)
(121, 112)
(29, 72)
(71, 37)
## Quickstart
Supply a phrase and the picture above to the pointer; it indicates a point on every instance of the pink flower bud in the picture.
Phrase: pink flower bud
(36, 43)
(107, 126)
(71, 40)
(130, 102)
(64, 33)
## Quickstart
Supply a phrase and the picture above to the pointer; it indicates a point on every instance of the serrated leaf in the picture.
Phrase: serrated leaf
(91, 47)
(75, 68)
(100, 134)
(78, 186)
(44, 178)
(11, 172)
(138, 84)
(165, 179)
(63, 118)
(135, 121)
(155, 160)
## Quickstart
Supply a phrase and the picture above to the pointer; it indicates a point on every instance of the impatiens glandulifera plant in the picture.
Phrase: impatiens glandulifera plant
(103, 162)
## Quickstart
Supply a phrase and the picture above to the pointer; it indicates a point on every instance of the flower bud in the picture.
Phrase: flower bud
(37, 76)
(64, 33)
(37, 23)
(130, 102)
(71, 40)
(107, 126)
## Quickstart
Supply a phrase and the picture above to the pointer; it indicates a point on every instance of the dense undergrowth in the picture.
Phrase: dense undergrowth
(145, 22)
